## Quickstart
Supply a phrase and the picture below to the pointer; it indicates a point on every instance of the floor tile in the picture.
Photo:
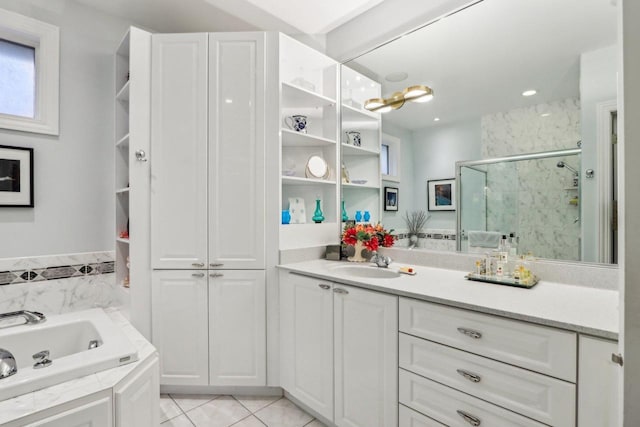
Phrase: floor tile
(221, 412)
(187, 402)
(255, 403)
(250, 421)
(315, 423)
(179, 421)
(168, 408)
(283, 413)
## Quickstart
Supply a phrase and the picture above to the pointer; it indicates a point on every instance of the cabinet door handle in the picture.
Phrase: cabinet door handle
(218, 264)
(470, 333)
(141, 156)
(474, 421)
(198, 264)
(474, 378)
(216, 275)
(324, 286)
(340, 291)
(198, 275)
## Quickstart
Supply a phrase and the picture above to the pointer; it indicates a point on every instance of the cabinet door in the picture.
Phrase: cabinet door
(598, 379)
(180, 326)
(237, 328)
(97, 413)
(306, 340)
(137, 400)
(178, 157)
(366, 358)
(237, 151)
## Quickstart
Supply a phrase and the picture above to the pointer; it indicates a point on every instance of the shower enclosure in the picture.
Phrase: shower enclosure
(536, 196)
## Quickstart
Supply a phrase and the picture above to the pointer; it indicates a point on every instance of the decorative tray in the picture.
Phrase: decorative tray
(504, 280)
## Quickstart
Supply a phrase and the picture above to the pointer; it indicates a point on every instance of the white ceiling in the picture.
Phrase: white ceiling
(481, 59)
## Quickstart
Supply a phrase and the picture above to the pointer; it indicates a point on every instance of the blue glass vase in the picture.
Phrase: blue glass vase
(317, 215)
(345, 217)
(358, 216)
(286, 217)
(367, 216)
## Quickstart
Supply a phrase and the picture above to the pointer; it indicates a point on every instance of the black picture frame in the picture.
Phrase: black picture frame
(16, 177)
(391, 198)
(441, 195)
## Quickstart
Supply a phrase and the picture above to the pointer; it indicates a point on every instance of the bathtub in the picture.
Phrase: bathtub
(67, 337)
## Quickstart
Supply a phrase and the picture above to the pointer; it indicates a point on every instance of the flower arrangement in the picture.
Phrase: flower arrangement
(371, 236)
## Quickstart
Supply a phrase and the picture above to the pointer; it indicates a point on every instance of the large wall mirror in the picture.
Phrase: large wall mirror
(525, 104)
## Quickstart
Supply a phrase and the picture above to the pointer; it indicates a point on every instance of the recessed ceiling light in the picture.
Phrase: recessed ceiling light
(437, 119)
(545, 114)
(529, 92)
(396, 77)
(229, 101)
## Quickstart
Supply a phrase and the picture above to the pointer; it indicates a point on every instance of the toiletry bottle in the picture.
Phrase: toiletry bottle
(513, 245)
(503, 249)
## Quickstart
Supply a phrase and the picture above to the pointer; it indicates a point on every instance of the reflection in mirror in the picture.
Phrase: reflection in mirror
(510, 77)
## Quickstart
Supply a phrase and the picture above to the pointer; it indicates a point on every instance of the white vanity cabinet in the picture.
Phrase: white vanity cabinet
(95, 411)
(208, 151)
(209, 327)
(339, 350)
(598, 380)
(137, 399)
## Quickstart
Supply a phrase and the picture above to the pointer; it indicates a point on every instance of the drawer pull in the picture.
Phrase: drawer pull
(470, 333)
(324, 286)
(474, 421)
(198, 275)
(469, 375)
(198, 264)
(216, 275)
(216, 264)
(340, 291)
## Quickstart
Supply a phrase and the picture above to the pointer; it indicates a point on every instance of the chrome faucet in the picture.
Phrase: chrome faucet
(30, 317)
(8, 365)
(380, 260)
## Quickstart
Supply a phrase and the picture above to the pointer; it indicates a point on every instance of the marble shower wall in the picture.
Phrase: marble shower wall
(531, 198)
(59, 283)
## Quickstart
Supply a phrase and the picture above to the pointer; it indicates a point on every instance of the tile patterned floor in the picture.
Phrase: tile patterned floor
(181, 410)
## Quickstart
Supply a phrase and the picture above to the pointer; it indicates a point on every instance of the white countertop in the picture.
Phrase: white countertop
(27, 404)
(586, 310)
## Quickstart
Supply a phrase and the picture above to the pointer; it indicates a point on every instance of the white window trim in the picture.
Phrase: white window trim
(45, 38)
(393, 157)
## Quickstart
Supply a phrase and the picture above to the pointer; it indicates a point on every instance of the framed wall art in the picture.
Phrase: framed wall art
(16, 177)
(441, 195)
(390, 199)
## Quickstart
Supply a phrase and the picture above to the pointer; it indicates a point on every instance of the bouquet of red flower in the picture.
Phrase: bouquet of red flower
(371, 236)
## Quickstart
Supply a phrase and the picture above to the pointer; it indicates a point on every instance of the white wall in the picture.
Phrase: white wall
(598, 80)
(435, 152)
(392, 219)
(74, 173)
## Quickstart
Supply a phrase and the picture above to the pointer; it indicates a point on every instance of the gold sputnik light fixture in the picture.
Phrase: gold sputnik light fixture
(417, 93)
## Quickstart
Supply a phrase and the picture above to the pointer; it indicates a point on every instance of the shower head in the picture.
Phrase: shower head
(562, 164)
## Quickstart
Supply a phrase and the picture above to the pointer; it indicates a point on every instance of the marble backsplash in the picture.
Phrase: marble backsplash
(58, 283)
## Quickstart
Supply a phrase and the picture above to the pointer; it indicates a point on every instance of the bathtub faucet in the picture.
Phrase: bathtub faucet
(30, 317)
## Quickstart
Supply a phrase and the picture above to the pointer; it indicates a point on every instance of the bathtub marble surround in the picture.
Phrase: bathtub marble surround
(59, 283)
(30, 403)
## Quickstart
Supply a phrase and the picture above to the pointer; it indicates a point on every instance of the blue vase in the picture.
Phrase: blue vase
(286, 217)
(367, 216)
(345, 217)
(358, 216)
(317, 215)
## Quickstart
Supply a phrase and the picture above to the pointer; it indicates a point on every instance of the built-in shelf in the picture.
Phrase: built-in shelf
(294, 236)
(123, 142)
(295, 96)
(352, 150)
(296, 180)
(123, 190)
(363, 186)
(351, 114)
(123, 94)
(291, 138)
(122, 240)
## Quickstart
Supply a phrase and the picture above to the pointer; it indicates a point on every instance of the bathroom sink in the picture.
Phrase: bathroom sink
(366, 271)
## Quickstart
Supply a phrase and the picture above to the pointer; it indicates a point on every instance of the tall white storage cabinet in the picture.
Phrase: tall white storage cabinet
(338, 350)
(208, 207)
(132, 136)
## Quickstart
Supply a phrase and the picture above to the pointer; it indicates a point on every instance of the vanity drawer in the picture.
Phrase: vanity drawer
(453, 408)
(407, 417)
(538, 348)
(540, 397)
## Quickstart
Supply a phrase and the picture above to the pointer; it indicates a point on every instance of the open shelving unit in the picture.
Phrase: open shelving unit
(308, 85)
(361, 162)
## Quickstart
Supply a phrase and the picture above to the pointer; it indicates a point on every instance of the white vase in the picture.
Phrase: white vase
(357, 256)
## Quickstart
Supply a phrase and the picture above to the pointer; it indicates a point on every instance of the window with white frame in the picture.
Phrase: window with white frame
(29, 70)
(390, 158)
